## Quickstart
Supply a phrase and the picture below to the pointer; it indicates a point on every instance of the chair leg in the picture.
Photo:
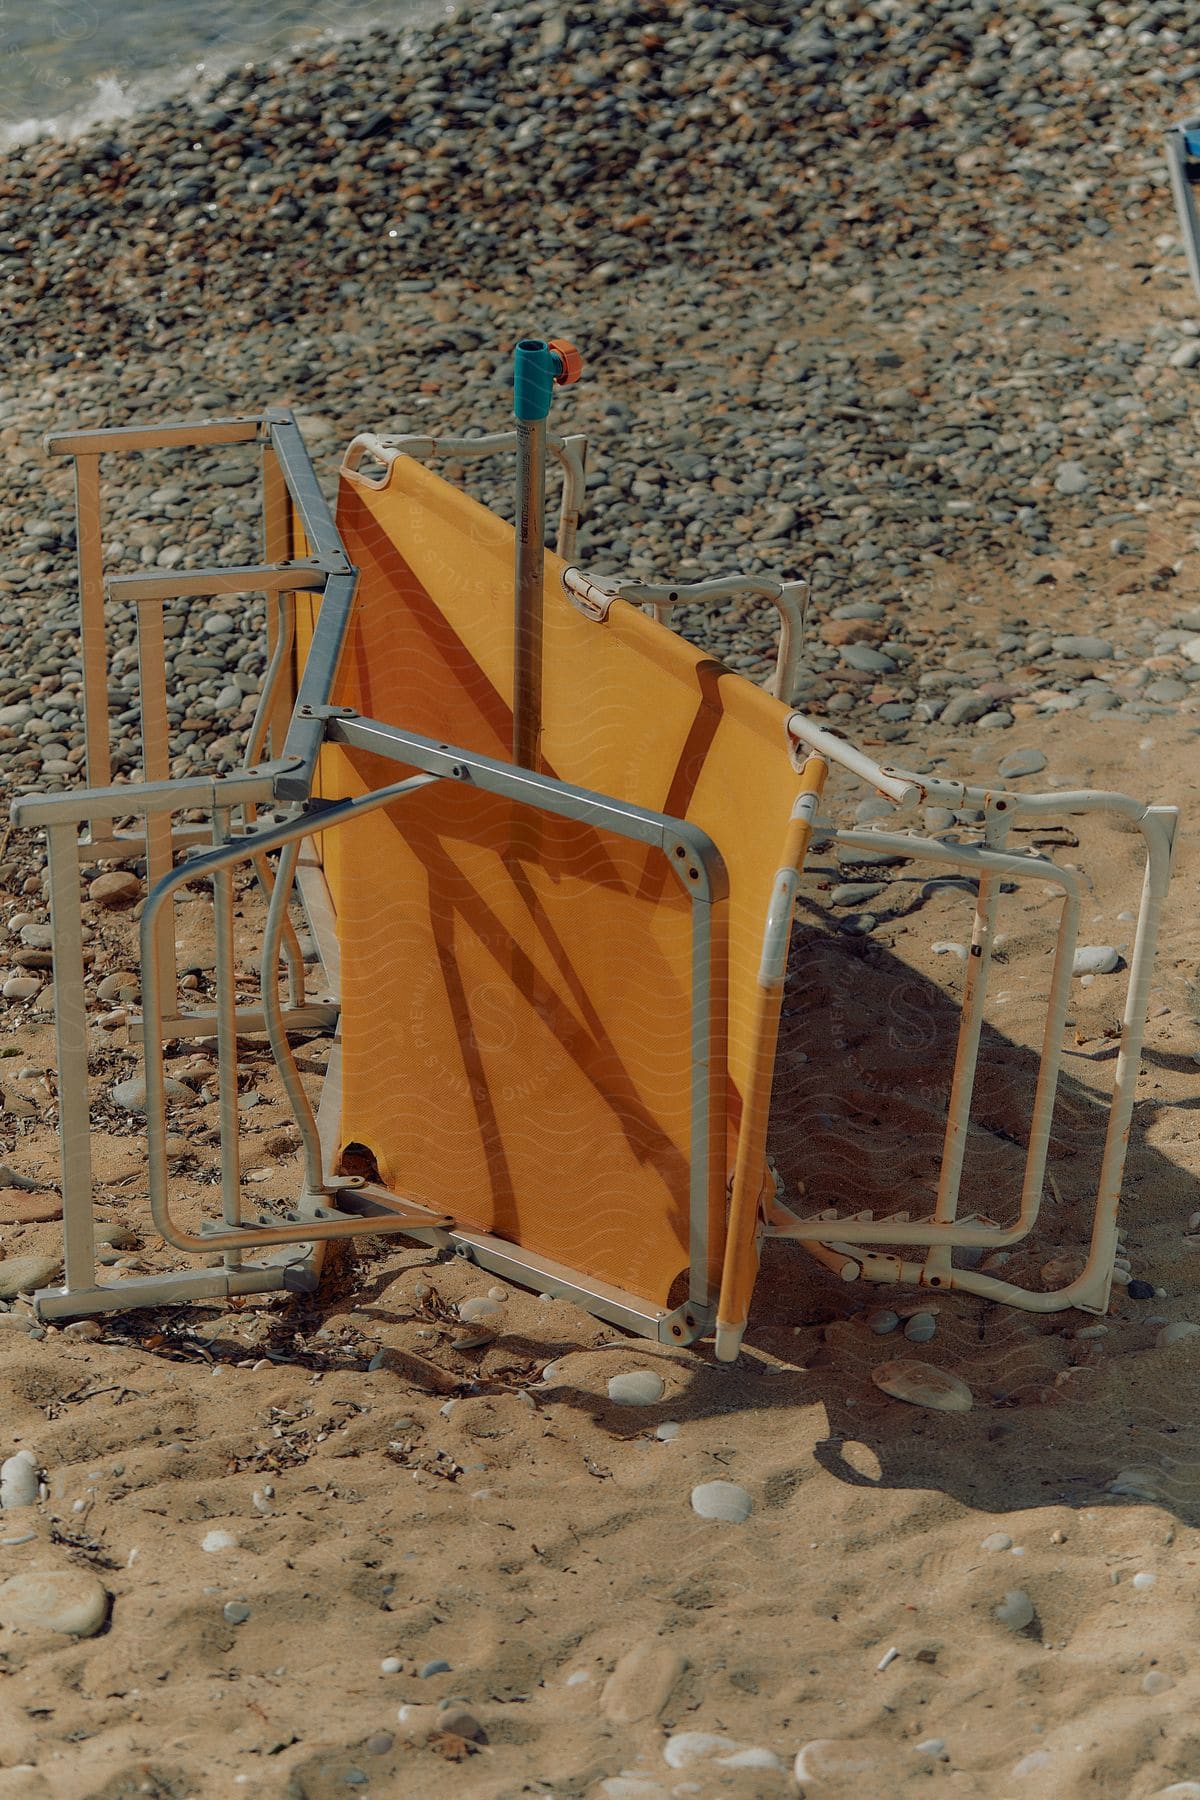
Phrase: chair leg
(745, 1207)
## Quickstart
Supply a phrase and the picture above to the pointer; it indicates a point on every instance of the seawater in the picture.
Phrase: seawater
(69, 64)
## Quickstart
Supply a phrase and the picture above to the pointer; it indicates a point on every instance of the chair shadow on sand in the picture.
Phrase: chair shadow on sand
(866, 1049)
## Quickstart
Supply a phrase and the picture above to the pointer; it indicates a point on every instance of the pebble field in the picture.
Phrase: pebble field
(888, 298)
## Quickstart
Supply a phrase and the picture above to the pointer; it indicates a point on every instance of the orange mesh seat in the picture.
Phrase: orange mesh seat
(519, 989)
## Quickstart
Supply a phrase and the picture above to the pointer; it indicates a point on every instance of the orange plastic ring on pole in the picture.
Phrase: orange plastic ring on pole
(572, 362)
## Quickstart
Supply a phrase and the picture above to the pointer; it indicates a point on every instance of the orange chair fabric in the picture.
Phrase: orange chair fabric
(516, 1003)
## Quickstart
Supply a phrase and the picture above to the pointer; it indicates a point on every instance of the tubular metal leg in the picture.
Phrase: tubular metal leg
(226, 1008)
(530, 575)
(70, 1027)
(92, 634)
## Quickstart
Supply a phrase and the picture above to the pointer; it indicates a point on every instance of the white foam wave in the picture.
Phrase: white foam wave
(113, 98)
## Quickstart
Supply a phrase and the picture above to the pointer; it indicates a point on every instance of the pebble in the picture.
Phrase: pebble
(996, 1540)
(1016, 1610)
(865, 659)
(1094, 649)
(391, 1665)
(122, 985)
(638, 1387)
(882, 1321)
(24, 1323)
(1022, 762)
(67, 1601)
(22, 1274)
(642, 1682)
(1143, 1580)
(722, 1500)
(130, 1095)
(668, 1431)
(1071, 479)
(837, 1760)
(435, 1667)
(459, 1722)
(920, 1384)
(19, 1480)
(1095, 959)
(1058, 428)
(21, 987)
(1157, 1681)
(1141, 1484)
(856, 893)
(964, 709)
(920, 1328)
(214, 1541)
(479, 1308)
(115, 889)
(1175, 1333)
(18, 1208)
(235, 1612)
(683, 1749)
(473, 1338)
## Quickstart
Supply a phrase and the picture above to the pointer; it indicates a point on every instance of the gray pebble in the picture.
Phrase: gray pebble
(131, 1095)
(1095, 959)
(856, 893)
(235, 1612)
(1071, 478)
(1022, 762)
(70, 1602)
(22, 1274)
(21, 987)
(1091, 649)
(964, 709)
(1016, 1610)
(865, 659)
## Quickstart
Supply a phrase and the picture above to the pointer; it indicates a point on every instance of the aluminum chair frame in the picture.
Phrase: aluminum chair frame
(1183, 162)
(848, 1245)
(331, 1206)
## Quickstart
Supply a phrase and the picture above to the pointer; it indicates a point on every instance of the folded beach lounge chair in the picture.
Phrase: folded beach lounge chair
(550, 853)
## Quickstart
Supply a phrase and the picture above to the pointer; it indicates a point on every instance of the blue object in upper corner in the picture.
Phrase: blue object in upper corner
(1191, 142)
(536, 367)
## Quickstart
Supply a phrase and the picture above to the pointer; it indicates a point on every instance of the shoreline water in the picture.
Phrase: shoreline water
(61, 85)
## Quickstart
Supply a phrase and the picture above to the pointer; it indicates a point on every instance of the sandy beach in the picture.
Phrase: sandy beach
(894, 302)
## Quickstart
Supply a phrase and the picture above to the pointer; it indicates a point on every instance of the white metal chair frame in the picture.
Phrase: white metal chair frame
(850, 1242)
(853, 1247)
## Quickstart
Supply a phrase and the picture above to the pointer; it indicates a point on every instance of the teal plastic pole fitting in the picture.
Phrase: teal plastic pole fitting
(535, 369)
(538, 368)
